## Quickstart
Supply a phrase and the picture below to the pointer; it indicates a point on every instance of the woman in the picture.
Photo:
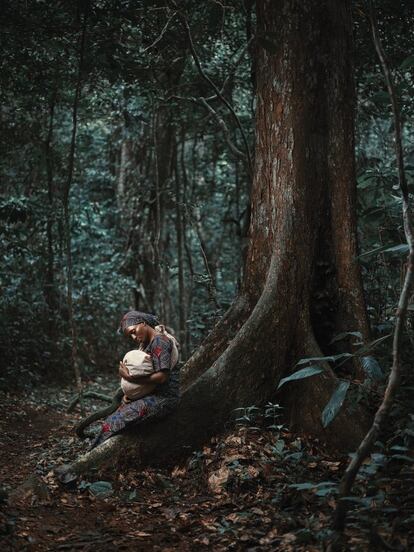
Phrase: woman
(140, 327)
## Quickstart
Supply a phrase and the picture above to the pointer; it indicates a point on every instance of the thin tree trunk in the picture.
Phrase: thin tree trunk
(66, 210)
(190, 287)
(238, 226)
(182, 300)
(50, 292)
(158, 245)
(122, 174)
(206, 257)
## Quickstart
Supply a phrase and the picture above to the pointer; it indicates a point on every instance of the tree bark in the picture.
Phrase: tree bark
(304, 176)
(66, 210)
(122, 174)
(179, 229)
(50, 291)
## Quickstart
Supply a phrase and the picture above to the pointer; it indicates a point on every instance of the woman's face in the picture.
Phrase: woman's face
(138, 332)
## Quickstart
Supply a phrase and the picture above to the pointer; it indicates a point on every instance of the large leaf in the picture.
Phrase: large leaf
(335, 403)
(366, 180)
(101, 488)
(342, 335)
(372, 368)
(407, 63)
(369, 346)
(301, 374)
(331, 358)
(401, 249)
(380, 98)
(302, 486)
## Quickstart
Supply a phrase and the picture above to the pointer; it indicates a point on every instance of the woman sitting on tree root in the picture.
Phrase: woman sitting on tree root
(144, 329)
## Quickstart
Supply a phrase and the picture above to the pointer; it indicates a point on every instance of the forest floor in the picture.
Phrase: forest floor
(253, 488)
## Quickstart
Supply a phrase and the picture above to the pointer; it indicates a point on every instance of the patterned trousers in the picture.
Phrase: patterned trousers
(134, 413)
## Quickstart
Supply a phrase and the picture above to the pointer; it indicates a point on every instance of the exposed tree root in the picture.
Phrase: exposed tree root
(106, 454)
(88, 395)
(102, 413)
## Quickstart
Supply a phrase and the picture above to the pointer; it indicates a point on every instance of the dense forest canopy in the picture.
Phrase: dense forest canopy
(159, 198)
(122, 150)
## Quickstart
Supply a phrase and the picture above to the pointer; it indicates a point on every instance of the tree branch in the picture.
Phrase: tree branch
(102, 413)
(219, 95)
(88, 395)
(163, 31)
(202, 101)
(232, 72)
(233, 148)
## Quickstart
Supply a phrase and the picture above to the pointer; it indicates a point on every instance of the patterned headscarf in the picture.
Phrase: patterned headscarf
(132, 318)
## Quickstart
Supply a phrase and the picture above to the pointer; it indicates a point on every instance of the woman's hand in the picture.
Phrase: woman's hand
(123, 371)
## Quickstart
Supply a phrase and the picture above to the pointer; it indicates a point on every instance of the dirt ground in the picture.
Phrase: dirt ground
(254, 488)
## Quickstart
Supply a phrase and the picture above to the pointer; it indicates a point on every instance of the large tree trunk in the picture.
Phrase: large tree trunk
(304, 180)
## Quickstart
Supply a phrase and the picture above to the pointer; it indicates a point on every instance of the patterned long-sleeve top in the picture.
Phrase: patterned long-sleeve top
(160, 349)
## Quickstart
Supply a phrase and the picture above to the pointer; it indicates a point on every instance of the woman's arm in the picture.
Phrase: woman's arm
(156, 377)
(160, 350)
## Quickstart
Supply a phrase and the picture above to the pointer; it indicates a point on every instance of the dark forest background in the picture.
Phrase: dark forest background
(151, 191)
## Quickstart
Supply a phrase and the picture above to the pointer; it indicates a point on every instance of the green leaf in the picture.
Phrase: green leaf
(407, 63)
(326, 488)
(342, 335)
(302, 486)
(369, 346)
(401, 249)
(372, 368)
(322, 489)
(101, 488)
(399, 448)
(380, 98)
(279, 446)
(301, 374)
(403, 457)
(335, 403)
(331, 358)
(294, 456)
(366, 180)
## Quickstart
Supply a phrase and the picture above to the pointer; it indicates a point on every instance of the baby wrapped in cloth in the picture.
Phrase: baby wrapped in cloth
(139, 363)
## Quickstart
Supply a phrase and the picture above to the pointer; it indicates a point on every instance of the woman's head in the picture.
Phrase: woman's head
(138, 325)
